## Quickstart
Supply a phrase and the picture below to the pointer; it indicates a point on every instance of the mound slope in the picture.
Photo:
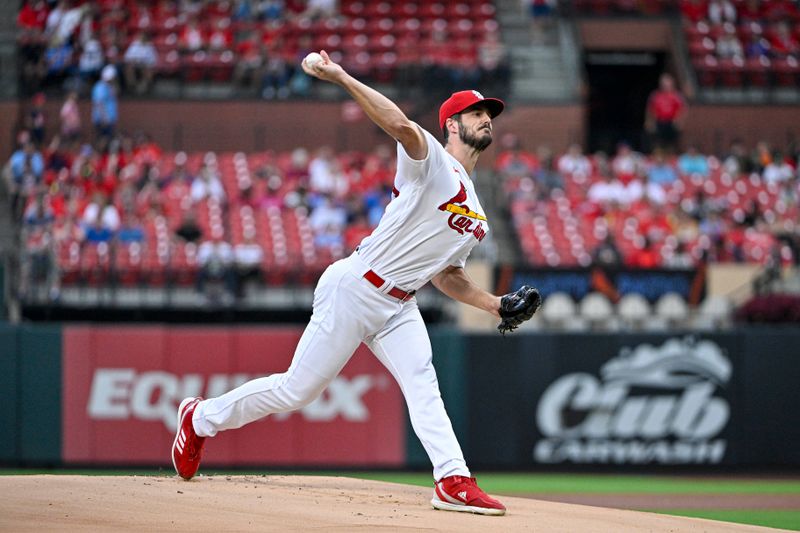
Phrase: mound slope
(290, 503)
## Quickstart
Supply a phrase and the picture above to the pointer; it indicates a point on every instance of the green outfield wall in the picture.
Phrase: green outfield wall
(106, 395)
(30, 385)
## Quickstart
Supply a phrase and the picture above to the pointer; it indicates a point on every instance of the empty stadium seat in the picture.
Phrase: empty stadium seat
(634, 311)
(597, 310)
(715, 312)
(672, 308)
(558, 310)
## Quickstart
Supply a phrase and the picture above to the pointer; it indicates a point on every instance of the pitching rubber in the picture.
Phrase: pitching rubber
(444, 506)
(181, 414)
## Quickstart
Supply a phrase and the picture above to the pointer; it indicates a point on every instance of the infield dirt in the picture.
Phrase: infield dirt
(291, 503)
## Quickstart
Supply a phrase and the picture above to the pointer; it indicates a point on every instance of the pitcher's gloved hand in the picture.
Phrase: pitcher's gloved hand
(517, 307)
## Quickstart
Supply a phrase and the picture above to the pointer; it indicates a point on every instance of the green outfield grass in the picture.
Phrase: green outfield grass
(783, 519)
(571, 483)
(528, 483)
(522, 483)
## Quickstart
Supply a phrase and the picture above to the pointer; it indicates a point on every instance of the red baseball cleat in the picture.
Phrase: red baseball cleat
(187, 447)
(459, 493)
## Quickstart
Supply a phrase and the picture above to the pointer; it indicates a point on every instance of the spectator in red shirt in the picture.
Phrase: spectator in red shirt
(32, 16)
(31, 21)
(644, 257)
(377, 170)
(665, 114)
(750, 11)
(694, 10)
(783, 42)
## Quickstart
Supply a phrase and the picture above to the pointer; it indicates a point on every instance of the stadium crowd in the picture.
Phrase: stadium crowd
(629, 209)
(732, 43)
(258, 45)
(120, 210)
(99, 206)
(743, 42)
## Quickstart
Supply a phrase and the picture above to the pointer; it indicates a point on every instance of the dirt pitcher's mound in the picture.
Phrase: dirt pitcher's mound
(289, 503)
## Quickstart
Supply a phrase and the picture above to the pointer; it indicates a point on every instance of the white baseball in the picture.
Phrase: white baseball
(312, 59)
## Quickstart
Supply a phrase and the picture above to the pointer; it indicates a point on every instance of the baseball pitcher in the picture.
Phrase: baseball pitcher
(426, 234)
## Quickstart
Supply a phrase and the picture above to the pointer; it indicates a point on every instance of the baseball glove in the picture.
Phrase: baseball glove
(517, 307)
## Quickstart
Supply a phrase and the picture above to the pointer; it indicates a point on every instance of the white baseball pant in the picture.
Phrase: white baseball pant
(349, 310)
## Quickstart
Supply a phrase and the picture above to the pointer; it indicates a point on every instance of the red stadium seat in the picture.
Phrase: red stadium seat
(701, 46)
(405, 9)
(69, 262)
(758, 72)
(352, 9)
(384, 65)
(169, 64)
(731, 72)
(430, 10)
(382, 43)
(707, 69)
(378, 27)
(95, 263)
(379, 9)
(128, 263)
(787, 72)
(183, 264)
(353, 43)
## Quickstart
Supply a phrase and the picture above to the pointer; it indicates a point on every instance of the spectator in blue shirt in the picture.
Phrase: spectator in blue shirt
(692, 162)
(97, 233)
(25, 170)
(39, 213)
(27, 165)
(757, 48)
(104, 103)
(660, 171)
(58, 59)
(131, 231)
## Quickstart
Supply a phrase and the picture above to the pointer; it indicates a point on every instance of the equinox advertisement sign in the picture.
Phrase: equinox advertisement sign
(122, 385)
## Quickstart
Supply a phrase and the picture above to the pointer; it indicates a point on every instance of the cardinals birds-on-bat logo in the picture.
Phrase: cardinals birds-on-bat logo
(462, 217)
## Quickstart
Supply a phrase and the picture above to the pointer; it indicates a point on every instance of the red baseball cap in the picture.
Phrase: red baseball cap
(461, 100)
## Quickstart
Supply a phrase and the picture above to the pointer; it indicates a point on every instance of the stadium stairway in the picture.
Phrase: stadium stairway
(8, 49)
(8, 89)
(541, 66)
(502, 247)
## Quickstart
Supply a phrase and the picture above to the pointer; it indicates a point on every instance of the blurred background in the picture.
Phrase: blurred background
(174, 185)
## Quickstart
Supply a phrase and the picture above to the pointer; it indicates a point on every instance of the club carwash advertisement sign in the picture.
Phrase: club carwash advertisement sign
(648, 405)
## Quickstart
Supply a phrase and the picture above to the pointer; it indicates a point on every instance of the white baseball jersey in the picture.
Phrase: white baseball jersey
(434, 220)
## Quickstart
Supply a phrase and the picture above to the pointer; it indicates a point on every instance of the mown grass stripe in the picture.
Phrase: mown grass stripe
(779, 518)
(577, 483)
